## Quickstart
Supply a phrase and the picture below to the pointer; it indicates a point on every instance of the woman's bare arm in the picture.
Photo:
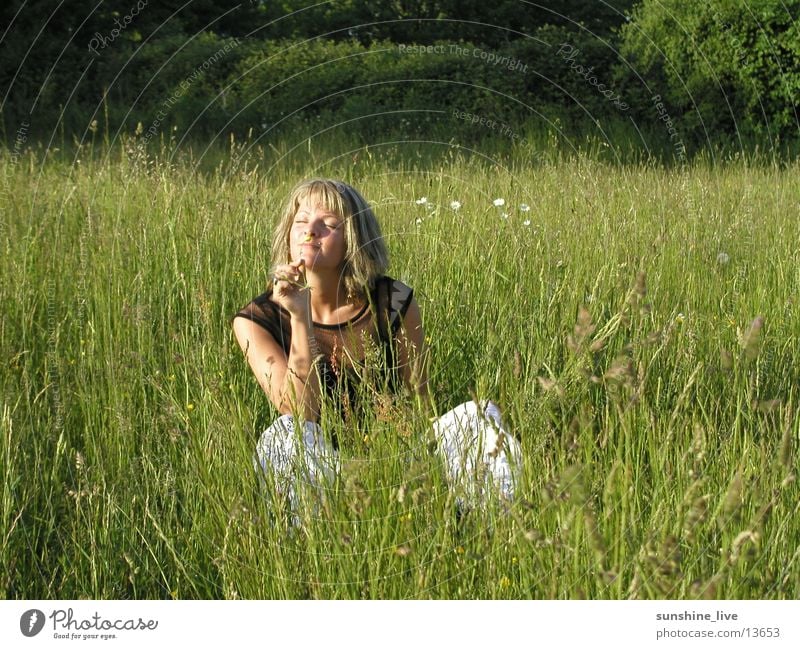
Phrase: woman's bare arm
(413, 354)
(291, 383)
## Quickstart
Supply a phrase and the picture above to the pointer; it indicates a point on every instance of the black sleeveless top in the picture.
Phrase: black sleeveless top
(356, 355)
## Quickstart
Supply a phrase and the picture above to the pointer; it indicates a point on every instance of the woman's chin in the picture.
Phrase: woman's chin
(309, 259)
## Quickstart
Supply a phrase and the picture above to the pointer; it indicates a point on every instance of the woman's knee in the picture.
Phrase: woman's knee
(282, 441)
(274, 446)
(282, 431)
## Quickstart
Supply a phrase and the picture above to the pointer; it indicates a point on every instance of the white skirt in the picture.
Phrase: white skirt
(481, 458)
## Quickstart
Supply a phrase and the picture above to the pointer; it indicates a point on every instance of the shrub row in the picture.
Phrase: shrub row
(692, 70)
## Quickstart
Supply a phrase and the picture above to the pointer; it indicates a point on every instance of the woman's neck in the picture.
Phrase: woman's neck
(329, 297)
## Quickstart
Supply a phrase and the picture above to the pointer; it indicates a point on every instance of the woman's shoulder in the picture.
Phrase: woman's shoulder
(394, 298)
(265, 313)
(261, 304)
(399, 293)
(395, 284)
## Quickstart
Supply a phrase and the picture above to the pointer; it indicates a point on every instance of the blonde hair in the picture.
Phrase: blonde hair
(366, 257)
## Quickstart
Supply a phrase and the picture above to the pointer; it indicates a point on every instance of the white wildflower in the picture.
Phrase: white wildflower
(455, 205)
(524, 207)
(422, 201)
(499, 202)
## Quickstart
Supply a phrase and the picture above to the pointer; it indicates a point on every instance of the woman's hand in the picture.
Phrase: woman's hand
(289, 289)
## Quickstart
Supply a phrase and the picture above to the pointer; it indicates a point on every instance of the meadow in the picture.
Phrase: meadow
(637, 322)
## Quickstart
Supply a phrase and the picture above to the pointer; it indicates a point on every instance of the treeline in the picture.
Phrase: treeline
(691, 72)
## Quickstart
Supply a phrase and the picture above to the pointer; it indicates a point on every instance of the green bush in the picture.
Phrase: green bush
(178, 78)
(570, 71)
(386, 85)
(380, 86)
(720, 66)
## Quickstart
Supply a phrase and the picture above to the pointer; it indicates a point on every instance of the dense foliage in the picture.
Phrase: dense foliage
(720, 69)
(721, 65)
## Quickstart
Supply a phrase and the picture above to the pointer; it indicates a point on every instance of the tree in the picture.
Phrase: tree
(719, 65)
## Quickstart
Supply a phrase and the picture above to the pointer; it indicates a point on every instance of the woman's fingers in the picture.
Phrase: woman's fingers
(285, 271)
(288, 281)
(292, 274)
(289, 269)
(299, 267)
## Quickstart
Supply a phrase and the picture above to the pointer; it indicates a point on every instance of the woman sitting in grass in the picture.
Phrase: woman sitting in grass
(310, 340)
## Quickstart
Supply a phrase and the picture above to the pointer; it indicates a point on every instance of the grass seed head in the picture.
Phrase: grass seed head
(548, 385)
(785, 454)
(744, 545)
(621, 370)
(696, 515)
(750, 340)
(733, 498)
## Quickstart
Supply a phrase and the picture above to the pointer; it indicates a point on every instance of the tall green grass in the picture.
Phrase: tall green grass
(617, 330)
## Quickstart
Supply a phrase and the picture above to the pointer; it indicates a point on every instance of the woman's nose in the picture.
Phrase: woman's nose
(314, 228)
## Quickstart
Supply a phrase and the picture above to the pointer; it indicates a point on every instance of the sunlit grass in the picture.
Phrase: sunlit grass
(615, 322)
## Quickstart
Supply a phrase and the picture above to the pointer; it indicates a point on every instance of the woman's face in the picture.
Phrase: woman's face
(317, 235)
